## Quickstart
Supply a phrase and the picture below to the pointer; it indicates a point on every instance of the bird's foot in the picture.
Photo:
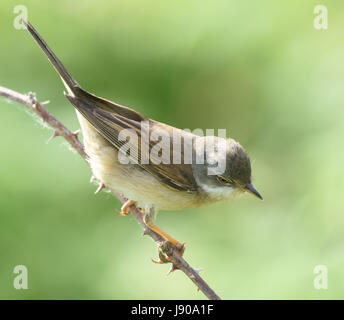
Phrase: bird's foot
(178, 246)
(175, 244)
(126, 206)
(167, 245)
(170, 241)
(165, 251)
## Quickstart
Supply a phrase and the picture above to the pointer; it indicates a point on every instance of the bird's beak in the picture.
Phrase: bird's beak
(251, 189)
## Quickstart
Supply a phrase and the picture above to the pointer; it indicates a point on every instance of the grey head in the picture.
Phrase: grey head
(226, 167)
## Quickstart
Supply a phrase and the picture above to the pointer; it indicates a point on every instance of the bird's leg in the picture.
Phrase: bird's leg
(125, 207)
(149, 218)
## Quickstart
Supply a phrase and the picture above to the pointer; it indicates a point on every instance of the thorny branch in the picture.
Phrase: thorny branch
(166, 252)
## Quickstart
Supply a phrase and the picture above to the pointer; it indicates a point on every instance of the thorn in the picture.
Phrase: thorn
(198, 270)
(76, 133)
(54, 135)
(145, 232)
(100, 188)
(33, 99)
(45, 102)
(174, 267)
(32, 95)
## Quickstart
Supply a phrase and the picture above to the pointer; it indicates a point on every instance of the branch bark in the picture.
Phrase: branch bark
(166, 252)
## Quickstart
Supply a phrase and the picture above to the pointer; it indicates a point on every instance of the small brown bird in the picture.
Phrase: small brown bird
(151, 172)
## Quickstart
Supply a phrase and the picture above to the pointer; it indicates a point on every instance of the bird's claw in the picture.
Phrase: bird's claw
(180, 247)
(165, 251)
(125, 209)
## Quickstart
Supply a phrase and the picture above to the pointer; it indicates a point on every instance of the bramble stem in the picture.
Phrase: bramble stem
(172, 255)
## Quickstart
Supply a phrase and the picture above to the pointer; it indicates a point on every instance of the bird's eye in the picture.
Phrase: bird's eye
(222, 180)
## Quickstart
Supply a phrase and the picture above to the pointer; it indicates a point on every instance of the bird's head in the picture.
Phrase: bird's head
(226, 170)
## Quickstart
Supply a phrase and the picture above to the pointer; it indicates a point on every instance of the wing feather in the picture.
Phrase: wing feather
(109, 124)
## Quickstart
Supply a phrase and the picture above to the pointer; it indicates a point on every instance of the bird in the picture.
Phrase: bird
(152, 173)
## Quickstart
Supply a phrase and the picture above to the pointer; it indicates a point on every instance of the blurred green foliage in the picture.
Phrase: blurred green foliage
(257, 68)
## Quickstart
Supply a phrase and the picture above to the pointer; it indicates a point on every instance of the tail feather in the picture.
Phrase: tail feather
(73, 87)
(69, 82)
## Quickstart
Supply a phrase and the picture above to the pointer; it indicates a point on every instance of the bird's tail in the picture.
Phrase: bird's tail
(69, 82)
(73, 88)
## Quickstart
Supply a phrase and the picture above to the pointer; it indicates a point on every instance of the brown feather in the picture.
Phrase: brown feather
(109, 119)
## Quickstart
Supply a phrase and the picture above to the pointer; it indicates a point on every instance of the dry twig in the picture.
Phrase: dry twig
(166, 252)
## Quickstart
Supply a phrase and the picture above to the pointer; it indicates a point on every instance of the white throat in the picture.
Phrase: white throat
(221, 193)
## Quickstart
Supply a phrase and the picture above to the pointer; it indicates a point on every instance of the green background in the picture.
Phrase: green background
(256, 68)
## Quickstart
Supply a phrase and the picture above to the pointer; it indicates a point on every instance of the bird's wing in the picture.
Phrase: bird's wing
(110, 118)
(111, 106)
(110, 121)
